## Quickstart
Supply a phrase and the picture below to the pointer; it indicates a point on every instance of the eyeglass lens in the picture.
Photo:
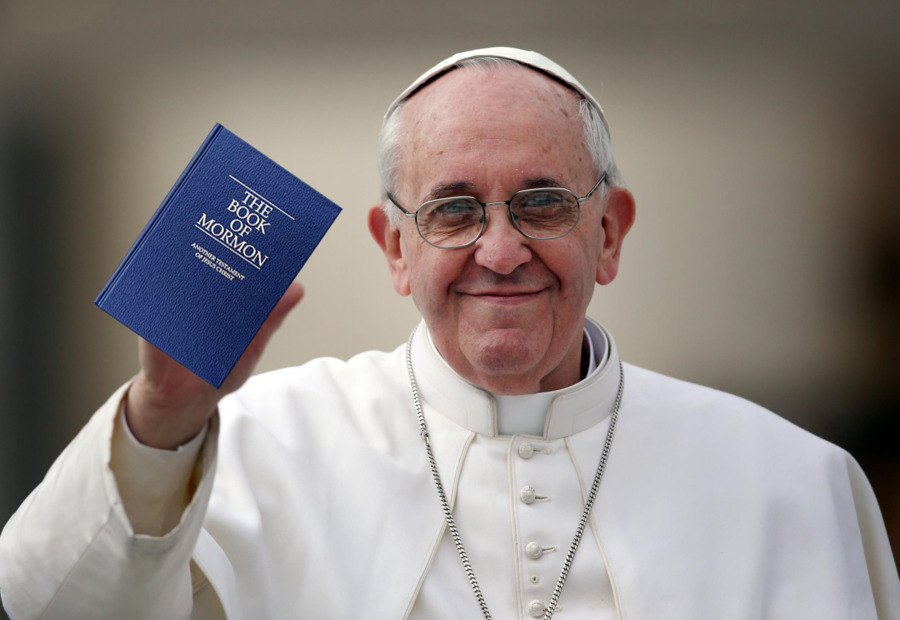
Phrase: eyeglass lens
(538, 213)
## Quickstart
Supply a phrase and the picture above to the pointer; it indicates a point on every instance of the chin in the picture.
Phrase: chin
(506, 352)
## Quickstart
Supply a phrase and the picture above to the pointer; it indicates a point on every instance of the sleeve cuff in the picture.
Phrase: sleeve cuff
(155, 485)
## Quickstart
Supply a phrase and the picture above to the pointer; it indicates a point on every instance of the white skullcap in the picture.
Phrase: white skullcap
(531, 59)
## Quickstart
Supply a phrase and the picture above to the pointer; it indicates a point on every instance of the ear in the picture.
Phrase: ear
(388, 239)
(617, 220)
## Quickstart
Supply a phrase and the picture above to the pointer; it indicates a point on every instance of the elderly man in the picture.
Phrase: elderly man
(502, 463)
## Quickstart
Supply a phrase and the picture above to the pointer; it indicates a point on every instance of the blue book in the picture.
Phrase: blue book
(217, 255)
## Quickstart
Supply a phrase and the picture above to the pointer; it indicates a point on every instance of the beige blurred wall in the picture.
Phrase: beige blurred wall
(752, 135)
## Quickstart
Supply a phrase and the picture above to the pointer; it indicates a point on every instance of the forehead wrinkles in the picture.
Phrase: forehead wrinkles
(484, 101)
(475, 94)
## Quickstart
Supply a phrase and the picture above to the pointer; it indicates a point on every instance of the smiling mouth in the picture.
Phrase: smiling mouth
(506, 296)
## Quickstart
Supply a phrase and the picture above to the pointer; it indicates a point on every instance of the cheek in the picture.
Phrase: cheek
(430, 277)
(575, 268)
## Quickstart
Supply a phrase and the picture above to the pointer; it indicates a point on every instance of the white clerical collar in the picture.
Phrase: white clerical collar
(548, 414)
(526, 414)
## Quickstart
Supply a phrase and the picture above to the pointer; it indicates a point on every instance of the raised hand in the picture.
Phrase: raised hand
(167, 404)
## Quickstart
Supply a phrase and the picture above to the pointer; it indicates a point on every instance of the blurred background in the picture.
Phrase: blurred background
(761, 139)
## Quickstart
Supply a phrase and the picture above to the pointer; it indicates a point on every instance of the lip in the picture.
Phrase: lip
(506, 297)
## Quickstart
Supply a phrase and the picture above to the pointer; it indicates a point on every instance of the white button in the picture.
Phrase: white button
(528, 495)
(526, 450)
(533, 550)
(535, 609)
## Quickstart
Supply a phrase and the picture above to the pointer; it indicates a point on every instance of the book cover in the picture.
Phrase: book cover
(217, 255)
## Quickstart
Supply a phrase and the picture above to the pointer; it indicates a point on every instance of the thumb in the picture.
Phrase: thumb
(288, 302)
(251, 356)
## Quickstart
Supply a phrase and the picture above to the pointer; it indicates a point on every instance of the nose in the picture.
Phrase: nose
(501, 247)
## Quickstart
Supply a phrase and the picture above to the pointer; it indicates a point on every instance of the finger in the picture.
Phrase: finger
(288, 302)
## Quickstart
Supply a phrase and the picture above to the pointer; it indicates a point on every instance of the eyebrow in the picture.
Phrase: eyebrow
(445, 190)
(465, 188)
(542, 182)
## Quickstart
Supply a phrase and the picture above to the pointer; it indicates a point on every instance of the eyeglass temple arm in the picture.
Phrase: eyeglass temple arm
(590, 193)
(397, 204)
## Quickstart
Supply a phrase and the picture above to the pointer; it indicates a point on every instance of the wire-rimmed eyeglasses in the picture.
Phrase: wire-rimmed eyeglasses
(537, 213)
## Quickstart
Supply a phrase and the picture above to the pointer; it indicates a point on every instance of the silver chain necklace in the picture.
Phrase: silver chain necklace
(448, 515)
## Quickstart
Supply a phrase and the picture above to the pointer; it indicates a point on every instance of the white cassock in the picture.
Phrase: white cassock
(320, 504)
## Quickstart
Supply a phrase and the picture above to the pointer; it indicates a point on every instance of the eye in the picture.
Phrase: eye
(450, 221)
(543, 206)
(454, 208)
(544, 213)
(541, 199)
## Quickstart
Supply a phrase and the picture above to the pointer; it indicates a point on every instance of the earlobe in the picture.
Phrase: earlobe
(617, 221)
(388, 239)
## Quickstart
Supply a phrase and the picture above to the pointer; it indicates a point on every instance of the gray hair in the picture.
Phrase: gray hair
(595, 132)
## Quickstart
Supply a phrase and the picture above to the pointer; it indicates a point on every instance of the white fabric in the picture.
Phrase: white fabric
(323, 507)
(532, 59)
(158, 484)
(525, 414)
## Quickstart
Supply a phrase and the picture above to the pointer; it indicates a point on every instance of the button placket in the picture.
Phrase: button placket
(536, 527)
(556, 474)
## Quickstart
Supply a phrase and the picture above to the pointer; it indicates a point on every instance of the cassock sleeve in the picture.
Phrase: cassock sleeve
(879, 559)
(155, 485)
(71, 552)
